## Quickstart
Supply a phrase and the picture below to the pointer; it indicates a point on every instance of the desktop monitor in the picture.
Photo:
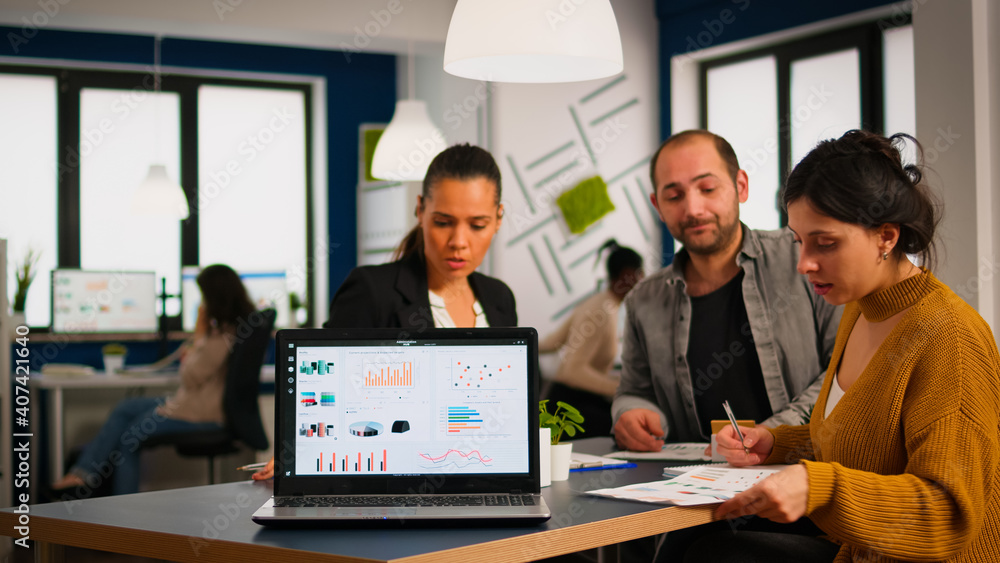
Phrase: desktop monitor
(103, 301)
(266, 290)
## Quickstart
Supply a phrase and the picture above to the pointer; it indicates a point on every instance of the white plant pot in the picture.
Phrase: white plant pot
(545, 456)
(113, 363)
(562, 454)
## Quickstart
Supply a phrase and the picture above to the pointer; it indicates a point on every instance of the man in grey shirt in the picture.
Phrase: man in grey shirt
(730, 319)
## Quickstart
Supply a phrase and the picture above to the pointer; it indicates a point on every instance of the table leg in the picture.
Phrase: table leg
(56, 421)
(46, 552)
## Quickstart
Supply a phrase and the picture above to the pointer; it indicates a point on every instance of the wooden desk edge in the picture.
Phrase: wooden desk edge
(157, 545)
(526, 547)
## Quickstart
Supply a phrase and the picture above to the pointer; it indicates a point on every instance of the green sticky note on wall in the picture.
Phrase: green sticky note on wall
(371, 139)
(584, 204)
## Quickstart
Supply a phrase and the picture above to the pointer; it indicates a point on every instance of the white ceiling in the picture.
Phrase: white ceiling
(368, 25)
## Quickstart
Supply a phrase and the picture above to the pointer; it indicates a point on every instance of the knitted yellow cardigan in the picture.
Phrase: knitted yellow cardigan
(906, 466)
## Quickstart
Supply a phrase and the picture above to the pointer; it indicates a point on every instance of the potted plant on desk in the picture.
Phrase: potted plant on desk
(25, 273)
(565, 420)
(114, 357)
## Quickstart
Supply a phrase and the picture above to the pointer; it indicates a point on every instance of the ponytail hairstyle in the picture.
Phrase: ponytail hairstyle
(457, 162)
(860, 179)
(620, 259)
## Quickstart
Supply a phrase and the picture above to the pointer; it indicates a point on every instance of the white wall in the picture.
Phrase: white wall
(534, 120)
(958, 122)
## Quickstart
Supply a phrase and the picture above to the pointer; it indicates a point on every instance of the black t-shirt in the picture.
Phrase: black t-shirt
(723, 360)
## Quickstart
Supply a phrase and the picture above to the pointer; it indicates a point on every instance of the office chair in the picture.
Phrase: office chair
(239, 400)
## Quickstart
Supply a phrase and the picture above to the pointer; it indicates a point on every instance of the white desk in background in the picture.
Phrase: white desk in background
(55, 407)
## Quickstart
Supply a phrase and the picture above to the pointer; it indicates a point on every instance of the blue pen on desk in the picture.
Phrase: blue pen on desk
(736, 427)
(600, 467)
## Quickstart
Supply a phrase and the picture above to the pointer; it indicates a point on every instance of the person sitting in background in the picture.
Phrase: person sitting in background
(197, 404)
(433, 283)
(901, 457)
(588, 341)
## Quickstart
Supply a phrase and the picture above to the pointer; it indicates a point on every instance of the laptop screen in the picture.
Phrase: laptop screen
(378, 411)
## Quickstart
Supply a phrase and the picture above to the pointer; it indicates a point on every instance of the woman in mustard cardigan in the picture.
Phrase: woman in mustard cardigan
(900, 458)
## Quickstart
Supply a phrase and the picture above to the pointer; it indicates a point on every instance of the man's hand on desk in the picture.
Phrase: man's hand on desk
(639, 430)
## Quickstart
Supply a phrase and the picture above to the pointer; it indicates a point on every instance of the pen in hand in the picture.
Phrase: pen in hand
(252, 467)
(736, 427)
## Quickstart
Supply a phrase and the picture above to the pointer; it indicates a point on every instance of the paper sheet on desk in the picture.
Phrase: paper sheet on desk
(704, 485)
(679, 451)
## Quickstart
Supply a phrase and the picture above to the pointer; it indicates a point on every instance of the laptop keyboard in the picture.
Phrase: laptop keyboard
(404, 501)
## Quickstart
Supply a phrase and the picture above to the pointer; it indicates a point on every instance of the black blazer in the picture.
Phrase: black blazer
(394, 295)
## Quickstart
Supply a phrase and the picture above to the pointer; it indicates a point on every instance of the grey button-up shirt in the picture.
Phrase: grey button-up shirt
(793, 330)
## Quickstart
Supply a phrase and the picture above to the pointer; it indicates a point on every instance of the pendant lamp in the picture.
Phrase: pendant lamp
(533, 40)
(410, 141)
(158, 194)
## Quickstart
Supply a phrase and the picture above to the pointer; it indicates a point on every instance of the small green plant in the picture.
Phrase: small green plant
(113, 350)
(25, 272)
(565, 419)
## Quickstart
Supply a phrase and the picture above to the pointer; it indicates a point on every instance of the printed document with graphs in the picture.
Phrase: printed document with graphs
(706, 484)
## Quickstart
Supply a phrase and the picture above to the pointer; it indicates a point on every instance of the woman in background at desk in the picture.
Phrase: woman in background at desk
(900, 458)
(589, 343)
(433, 282)
(197, 404)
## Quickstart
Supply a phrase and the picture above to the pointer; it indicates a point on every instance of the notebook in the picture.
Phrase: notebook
(387, 425)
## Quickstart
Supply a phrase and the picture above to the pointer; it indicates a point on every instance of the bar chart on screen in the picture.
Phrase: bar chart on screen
(388, 374)
(333, 461)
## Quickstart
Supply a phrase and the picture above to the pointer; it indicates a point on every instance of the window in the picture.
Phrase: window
(252, 145)
(240, 148)
(28, 172)
(743, 108)
(774, 104)
(118, 142)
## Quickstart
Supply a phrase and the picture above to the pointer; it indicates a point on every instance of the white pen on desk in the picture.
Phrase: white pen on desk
(252, 467)
(736, 427)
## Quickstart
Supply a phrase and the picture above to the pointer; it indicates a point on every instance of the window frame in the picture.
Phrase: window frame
(71, 81)
(865, 37)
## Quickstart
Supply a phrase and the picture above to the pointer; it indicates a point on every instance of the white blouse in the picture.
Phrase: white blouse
(834, 397)
(443, 320)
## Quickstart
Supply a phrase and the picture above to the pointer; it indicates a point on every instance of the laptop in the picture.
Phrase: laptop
(388, 425)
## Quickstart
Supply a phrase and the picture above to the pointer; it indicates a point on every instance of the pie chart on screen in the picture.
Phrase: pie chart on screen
(366, 428)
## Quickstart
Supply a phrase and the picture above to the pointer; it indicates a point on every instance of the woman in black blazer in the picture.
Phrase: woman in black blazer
(433, 282)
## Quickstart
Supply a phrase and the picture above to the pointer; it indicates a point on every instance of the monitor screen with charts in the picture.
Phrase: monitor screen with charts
(103, 301)
(444, 403)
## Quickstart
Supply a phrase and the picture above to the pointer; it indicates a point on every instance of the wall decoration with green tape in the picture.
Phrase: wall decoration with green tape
(575, 179)
(584, 204)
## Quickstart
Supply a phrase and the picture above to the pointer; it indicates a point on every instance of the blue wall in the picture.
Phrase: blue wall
(691, 25)
(361, 88)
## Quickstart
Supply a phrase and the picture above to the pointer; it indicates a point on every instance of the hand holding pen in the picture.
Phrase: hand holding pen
(744, 446)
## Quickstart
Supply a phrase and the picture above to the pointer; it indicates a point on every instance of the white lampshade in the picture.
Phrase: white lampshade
(408, 145)
(533, 41)
(158, 195)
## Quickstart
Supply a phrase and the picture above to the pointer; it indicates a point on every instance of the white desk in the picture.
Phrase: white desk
(55, 406)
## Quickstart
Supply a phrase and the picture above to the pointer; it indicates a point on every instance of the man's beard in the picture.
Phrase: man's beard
(723, 236)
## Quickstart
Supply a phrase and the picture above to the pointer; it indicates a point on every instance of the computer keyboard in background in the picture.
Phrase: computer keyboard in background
(404, 501)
